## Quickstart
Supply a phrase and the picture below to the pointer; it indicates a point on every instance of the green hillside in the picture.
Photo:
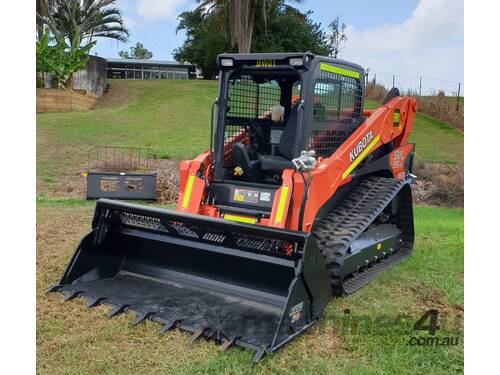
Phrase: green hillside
(173, 117)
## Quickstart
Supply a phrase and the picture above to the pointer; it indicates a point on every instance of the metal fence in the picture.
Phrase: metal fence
(417, 85)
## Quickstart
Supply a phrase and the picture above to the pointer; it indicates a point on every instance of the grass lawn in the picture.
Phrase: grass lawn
(435, 141)
(173, 118)
(73, 340)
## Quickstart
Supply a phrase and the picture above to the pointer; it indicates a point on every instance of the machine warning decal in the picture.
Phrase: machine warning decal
(265, 196)
(296, 312)
(246, 196)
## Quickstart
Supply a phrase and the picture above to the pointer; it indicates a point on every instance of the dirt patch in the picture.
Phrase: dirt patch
(167, 186)
(115, 95)
(451, 316)
(59, 169)
(430, 297)
(439, 184)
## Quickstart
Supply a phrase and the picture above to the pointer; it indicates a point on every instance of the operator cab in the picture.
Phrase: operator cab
(270, 108)
(260, 124)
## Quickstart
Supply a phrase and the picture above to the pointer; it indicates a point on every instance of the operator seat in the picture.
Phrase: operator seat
(286, 147)
(274, 163)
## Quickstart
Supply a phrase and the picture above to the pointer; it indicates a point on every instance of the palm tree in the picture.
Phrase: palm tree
(43, 9)
(243, 14)
(79, 20)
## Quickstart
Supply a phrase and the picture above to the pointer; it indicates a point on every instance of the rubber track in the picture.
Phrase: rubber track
(336, 232)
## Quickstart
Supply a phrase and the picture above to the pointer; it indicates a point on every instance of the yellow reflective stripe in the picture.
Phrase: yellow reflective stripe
(360, 157)
(185, 200)
(341, 71)
(241, 219)
(281, 204)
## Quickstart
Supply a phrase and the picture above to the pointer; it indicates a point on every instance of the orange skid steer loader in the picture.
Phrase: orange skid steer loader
(302, 195)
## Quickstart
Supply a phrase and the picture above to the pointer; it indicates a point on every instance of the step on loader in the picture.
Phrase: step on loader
(302, 195)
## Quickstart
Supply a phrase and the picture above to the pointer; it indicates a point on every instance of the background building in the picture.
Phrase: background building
(149, 69)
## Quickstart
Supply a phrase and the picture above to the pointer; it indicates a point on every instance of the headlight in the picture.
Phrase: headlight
(296, 61)
(226, 62)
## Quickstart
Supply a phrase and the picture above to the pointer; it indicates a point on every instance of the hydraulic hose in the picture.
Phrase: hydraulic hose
(304, 197)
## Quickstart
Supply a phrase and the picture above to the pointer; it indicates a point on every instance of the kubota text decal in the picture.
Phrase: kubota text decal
(360, 150)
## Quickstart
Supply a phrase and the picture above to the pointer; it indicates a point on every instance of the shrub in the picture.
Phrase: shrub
(439, 184)
(60, 59)
(375, 91)
(440, 106)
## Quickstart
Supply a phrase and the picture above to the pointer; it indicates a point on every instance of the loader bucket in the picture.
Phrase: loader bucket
(245, 285)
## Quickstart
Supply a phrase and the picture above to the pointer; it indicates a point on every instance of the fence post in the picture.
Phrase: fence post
(458, 96)
(420, 87)
(393, 80)
(375, 78)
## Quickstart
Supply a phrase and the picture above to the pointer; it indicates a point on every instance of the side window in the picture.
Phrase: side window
(336, 108)
(249, 99)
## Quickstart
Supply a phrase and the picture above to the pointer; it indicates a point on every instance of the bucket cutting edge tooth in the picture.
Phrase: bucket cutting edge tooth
(94, 302)
(226, 344)
(259, 353)
(54, 288)
(196, 335)
(72, 295)
(169, 326)
(117, 310)
(141, 316)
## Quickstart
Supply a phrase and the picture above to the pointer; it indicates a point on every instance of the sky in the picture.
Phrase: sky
(409, 38)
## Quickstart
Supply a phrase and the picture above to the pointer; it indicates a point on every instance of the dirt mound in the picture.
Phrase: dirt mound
(439, 184)
(167, 184)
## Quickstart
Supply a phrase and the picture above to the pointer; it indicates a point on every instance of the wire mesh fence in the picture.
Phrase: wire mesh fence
(424, 87)
(417, 85)
(121, 159)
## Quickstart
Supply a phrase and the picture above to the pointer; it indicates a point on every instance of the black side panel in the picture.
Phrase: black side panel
(121, 185)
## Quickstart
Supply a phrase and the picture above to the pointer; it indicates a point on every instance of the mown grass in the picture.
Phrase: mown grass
(170, 116)
(73, 340)
(436, 141)
(173, 118)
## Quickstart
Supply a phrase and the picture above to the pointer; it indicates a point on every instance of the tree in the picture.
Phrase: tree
(289, 30)
(243, 16)
(43, 9)
(137, 52)
(336, 37)
(84, 20)
(208, 33)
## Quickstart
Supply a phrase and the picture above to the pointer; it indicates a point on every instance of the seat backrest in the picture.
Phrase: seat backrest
(287, 141)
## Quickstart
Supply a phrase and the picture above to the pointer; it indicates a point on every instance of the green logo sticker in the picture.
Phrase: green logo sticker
(396, 117)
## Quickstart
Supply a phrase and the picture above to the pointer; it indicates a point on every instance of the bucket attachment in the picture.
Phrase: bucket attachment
(242, 285)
